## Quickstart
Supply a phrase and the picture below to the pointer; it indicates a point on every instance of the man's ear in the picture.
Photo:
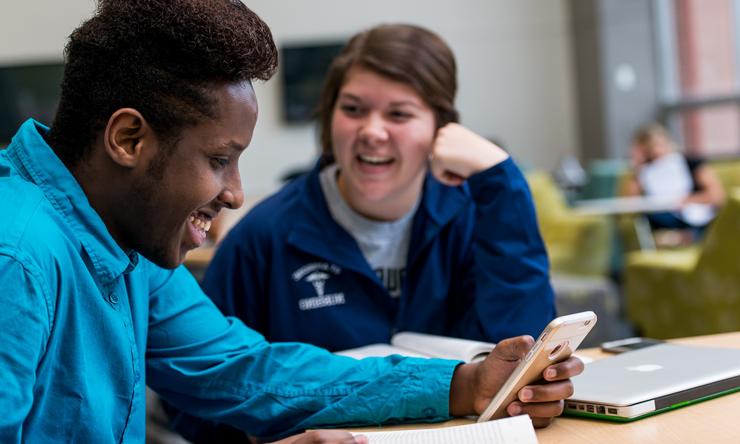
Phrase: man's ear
(125, 135)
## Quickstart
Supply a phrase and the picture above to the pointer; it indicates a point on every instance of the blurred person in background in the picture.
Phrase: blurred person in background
(660, 170)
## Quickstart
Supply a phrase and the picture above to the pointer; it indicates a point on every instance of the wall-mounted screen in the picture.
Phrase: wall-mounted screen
(28, 90)
(303, 70)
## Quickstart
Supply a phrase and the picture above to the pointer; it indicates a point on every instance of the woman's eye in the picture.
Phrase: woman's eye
(350, 109)
(400, 115)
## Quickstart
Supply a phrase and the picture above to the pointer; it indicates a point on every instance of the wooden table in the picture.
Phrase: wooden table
(626, 205)
(714, 421)
(636, 205)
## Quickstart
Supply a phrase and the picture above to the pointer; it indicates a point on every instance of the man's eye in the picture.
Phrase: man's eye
(219, 162)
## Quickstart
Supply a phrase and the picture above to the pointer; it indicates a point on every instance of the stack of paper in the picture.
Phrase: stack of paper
(515, 430)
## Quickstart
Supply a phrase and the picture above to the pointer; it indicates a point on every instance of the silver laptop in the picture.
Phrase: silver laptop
(644, 382)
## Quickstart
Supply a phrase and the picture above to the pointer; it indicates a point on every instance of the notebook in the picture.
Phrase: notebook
(513, 430)
(652, 380)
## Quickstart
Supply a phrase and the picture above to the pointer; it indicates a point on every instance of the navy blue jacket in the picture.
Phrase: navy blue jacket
(477, 267)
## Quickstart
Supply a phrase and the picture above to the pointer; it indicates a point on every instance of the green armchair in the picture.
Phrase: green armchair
(728, 172)
(692, 291)
(576, 244)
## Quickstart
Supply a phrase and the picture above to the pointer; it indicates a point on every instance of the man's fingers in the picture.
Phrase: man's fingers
(553, 391)
(513, 349)
(564, 370)
(543, 410)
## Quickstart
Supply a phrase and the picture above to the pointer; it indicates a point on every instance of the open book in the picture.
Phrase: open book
(515, 430)
(424, 346)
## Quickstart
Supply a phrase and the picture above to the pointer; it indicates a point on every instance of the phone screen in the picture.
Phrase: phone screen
(628, 344)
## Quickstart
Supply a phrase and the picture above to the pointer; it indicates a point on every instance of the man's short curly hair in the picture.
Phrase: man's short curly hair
(159, 57)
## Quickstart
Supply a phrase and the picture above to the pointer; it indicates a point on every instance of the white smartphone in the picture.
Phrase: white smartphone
(557, 342)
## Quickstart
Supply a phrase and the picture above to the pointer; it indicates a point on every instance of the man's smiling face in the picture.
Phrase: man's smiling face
(180, 188)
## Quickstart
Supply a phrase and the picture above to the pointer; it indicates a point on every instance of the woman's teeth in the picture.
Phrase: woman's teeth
(201, 224)
(375, 160)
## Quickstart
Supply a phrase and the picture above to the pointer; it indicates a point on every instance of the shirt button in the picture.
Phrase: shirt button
(429, 412)
(113, 298)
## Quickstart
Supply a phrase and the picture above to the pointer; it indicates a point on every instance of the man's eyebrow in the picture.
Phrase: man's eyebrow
(233, 145)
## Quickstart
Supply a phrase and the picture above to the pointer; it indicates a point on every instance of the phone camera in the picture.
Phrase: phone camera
(558, 351)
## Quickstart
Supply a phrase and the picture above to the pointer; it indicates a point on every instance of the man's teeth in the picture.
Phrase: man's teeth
(199, 223)
(375, 159)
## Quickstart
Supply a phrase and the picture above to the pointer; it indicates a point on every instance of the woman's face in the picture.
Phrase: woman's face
(654, 147)
(382, 134)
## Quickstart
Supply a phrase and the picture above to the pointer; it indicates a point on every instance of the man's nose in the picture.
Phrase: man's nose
(232, 196)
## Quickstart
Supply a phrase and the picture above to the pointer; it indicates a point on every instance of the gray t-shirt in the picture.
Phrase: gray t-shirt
(385, 245)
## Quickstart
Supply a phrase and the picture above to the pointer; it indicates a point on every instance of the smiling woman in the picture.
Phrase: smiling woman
(382, 136)
(418, 207)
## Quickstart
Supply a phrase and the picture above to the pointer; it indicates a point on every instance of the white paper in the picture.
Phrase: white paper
(668, 176)
(515, 430)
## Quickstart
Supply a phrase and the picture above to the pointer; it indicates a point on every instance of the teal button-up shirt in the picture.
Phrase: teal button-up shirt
(84, 326)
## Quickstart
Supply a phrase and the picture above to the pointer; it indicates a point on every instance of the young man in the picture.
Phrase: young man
(156, 107)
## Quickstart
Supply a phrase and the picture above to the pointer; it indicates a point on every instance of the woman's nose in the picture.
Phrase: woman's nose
(373, 129)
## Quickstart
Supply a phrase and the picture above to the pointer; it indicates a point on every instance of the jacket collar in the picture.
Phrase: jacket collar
(37, 162)
(316, 232)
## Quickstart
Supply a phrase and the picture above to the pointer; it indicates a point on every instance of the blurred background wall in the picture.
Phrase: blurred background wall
(515, 66)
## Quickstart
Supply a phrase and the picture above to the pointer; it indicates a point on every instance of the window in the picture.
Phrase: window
(699, 47)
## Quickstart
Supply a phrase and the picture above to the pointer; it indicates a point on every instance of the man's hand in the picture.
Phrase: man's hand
(474, 385)
(324, 437)
(458, 153)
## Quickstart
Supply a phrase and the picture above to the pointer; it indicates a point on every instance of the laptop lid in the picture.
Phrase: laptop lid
(635, 384)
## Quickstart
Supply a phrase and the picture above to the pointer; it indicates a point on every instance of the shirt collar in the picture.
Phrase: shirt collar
(36, 160)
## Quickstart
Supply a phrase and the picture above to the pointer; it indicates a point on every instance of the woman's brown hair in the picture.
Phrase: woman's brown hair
(404, 53)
